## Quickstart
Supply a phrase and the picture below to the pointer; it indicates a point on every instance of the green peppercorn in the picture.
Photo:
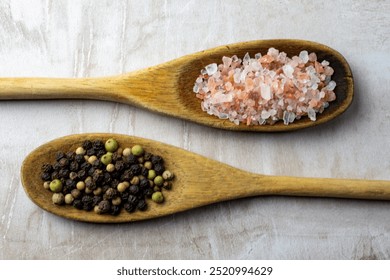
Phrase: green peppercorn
(106, 159)
(58, 198)
(111, 145)
(56, 185)
(158, 180)
(137, 150)
(158, 197)
(151, 174)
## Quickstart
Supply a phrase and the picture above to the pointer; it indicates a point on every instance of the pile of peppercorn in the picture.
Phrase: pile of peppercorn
(106, 178)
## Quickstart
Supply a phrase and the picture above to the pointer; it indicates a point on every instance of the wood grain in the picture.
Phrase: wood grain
(167, 88)
(199, 181)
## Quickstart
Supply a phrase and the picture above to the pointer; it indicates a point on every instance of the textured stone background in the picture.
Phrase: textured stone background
(95, 38)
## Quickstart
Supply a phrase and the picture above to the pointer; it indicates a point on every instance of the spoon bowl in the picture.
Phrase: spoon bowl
(167, 88)
(198, 181)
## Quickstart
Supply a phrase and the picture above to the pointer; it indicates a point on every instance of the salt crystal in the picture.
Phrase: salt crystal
(304, 55)
(211, 68)
(311, 114)
(265, 114)
(331, 85)
(258, 56)
(227, 61)
(288, 71)
(199, 80)
(273, 52)
(246, 58)
(265, 91)
(196, 88)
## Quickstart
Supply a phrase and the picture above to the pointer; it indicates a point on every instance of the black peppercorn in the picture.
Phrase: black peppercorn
(133, 189)
(110, 193)
(87, 144)
(148, 192)
(99, 153)
(144, 183)
(135, 169)
(47, 168)
(91, 170)
(73, 175)
(70, 155)
(63, 162)
(55, 175)
(82, 174)
(124, 195)
(97, 176)
(141, 205)
(78, 204)
(71, 183)
(107, 178)
(59, 155)
(104, 206)
(129, 207)
(45, 176)
(116, 157)
(98, 145)
(147, 156)
(132, 199)
(156, 160)
(89, 183)
(131, 159)
(91, 152)
(73, 166)
(63, 173)
(144, 172)
(56, 166)
(119, 165)
(67, 189)
(115, 210)
(159, 168)
(85, 166)
(96, 199)
(79, 158)
(127, 175)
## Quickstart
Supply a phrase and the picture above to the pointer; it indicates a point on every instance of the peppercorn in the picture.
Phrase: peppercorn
(158, 197)
(98, 145)
(82, 174)
(135, 180)
(88, 190)
(116, 156)
(133, 189)
(56, 186)
(100, 153)
(148, 164)
(141, 160)
(77, 204)
(135, 169)
(75, 193)
(144, 183)
(73, 175)
(87, 144)
(116, 201)
(106, 159)
(126, 152)
(129, 207)
(159, 168)
(63, 173)
(59, 155)
(56, 166)
(127, 175)
(137, 150)
(148, 192)
(63, 162)
(144, 172)
(46, 176)
(87, 201)
(58, 198)
(97, 176)
(71, 183)
(124, 195)
(104, 206)
(141, 205)
(115, 210)
(156, 189)
(121, 187)
(79, 158)
(98, 191)
(111, 145)
(167, 185)
(167, 175)
(70, 155)
(158, 180)
(110, 193)
(132, 199)
(85, 166)
(69, 198)
(80, 151)
(96, 199)
(147, 156)
(130, 159)
(98, 164)
(90, 152)
(89, 183)
(80, 185)
(55, 175)
(92, 158)
(46, 185)
(156, 159)
(151, 174)
(96, 209)
(47, 168)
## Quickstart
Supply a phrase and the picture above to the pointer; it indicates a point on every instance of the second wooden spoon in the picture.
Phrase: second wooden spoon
(199, 181)
(167, 88)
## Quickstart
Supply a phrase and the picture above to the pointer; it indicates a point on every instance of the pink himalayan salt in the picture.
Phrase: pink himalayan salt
(266, 89)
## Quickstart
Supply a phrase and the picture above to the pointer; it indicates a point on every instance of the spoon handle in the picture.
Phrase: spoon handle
(56, 88)
(323, 187)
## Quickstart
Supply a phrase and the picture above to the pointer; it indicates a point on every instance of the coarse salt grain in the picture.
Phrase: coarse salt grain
(265, 89)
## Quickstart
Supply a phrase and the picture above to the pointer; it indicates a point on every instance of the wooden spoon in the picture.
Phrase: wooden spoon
(199, 181)
(167, 88)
